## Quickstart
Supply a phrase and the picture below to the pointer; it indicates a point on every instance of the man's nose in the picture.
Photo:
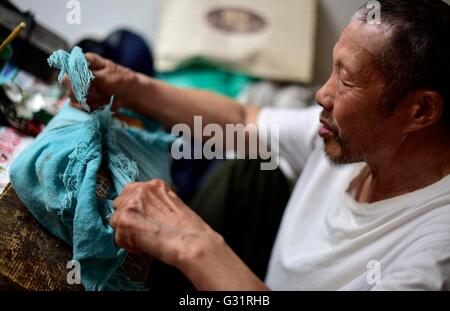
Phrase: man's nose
(325, 95)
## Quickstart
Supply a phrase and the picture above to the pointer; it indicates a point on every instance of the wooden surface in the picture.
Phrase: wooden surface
(33, 259)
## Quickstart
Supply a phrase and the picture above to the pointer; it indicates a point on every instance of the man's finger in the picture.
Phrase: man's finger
(66, 82)
(113, 221)
(117, 202)
(96, 62)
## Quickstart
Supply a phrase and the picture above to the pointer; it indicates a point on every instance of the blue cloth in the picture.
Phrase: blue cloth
(208, 77)
(76, 67)
(55, 177)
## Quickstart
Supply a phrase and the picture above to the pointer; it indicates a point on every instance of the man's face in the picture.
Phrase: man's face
(355, 128)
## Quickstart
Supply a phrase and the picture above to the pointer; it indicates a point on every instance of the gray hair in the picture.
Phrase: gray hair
(417, 52)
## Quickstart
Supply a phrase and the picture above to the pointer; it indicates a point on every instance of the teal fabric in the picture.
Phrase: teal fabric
(208, 77)
(55, 177)
(75, 65)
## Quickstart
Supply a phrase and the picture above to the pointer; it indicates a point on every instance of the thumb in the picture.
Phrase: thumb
(96, 62)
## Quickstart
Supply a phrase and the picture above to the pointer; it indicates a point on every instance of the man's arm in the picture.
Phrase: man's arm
(171, 105)
(160, 101)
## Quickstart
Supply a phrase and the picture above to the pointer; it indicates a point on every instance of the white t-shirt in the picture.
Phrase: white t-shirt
(328, 241)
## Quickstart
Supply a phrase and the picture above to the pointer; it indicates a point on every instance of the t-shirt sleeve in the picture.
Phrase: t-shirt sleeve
(298, 131)
(424, 268)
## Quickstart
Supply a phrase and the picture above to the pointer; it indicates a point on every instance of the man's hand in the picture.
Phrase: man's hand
(151, 218)
(110, 79)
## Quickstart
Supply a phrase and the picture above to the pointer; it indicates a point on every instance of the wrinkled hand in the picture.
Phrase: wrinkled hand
(110, 79)
(150, 218)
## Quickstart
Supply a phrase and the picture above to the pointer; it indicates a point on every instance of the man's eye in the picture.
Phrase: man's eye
(345, 83)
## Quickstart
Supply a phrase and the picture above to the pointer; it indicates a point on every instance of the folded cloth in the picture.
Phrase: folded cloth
(56, 177)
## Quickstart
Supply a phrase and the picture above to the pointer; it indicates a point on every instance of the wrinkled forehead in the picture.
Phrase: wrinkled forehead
(361, 45)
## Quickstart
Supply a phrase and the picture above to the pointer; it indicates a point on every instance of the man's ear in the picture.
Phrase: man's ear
(425, 109)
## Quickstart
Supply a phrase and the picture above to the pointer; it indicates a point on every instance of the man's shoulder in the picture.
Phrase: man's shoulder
(433, 228)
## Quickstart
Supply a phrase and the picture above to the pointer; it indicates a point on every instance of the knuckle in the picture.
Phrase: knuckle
(90, 55)
(119, 239)
(134, 206)
(129, 189)
(139, 195)
(157, 183)
(117, 203)
(122, 220)
(139, 191)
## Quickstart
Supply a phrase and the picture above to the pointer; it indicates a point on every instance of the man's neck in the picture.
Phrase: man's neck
(412, 169)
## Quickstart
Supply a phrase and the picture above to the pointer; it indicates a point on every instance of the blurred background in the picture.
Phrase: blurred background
(100, 17)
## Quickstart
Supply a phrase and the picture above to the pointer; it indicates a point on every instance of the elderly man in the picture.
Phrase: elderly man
(371, 208)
